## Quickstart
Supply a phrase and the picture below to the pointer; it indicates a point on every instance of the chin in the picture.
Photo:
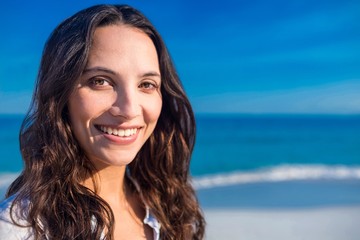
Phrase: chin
(118, 160)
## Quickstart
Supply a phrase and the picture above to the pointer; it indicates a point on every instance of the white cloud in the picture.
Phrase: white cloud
(336, 98)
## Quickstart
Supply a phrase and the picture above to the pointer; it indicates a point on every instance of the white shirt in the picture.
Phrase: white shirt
(10, 231)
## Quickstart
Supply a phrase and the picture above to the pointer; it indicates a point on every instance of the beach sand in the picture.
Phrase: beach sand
(291, 210)
(327, 223)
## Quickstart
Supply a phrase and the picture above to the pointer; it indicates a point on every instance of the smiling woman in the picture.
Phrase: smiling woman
(108, 138)
(117, 102)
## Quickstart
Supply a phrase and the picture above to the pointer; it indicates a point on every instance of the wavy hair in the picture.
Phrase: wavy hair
(55, 164)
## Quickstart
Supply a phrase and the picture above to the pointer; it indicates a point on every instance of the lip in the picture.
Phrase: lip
(117, 139)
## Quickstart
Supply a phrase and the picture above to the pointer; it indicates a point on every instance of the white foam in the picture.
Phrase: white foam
(278, 174)
(5, 180)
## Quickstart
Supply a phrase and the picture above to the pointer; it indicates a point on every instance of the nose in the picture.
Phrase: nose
(126, 104)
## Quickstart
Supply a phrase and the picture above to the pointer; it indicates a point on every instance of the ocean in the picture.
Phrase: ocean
(254, 160)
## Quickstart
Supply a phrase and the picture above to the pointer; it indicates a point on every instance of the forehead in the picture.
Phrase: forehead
(123, 48)
(120, 35)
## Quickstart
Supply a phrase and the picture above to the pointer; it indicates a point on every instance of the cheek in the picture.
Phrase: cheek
(78, 110)
(153, 109)
(78, 115)
(83, 106)
(81, 110)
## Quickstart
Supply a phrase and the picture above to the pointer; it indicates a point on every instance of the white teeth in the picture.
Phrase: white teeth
(119, 132)
(127, 132)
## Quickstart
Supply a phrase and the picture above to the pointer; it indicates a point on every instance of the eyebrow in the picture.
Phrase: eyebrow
(99, 69)
(151, 74)
(109, 71)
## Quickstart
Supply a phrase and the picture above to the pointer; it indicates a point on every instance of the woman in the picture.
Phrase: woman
(108, 138)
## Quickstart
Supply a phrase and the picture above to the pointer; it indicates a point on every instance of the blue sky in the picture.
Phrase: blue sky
(257, 56)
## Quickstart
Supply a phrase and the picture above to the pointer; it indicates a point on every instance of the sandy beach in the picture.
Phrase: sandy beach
(329, 223)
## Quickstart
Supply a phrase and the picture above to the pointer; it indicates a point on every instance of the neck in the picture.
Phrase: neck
(127, 208)
(108, 183)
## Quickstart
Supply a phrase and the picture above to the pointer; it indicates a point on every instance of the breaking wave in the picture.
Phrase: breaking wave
(279, 174)
(275, 174)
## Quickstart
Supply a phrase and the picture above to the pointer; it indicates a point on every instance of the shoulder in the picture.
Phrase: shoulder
(8, 229)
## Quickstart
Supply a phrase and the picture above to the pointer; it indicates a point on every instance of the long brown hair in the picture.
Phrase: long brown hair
(55, 164)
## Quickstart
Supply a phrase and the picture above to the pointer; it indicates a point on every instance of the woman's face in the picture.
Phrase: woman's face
(117, 103)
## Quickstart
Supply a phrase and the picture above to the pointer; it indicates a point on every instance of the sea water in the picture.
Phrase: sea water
(286, 144)
(277, 161)
(244, 159)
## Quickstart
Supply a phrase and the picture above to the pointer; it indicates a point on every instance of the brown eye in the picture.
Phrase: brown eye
(148, 85)
(99, 82)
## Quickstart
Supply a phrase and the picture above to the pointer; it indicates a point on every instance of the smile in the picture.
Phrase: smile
(118, 132)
